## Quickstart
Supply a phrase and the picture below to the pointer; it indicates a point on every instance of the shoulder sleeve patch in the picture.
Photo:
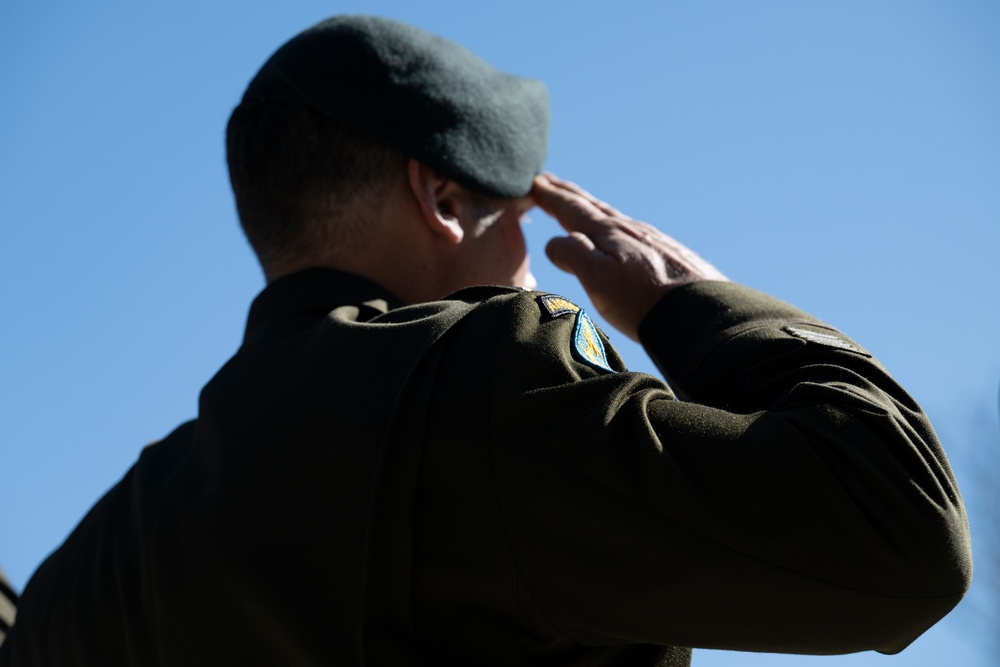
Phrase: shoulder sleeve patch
(829, 340)
(557, 306)
(587, 343)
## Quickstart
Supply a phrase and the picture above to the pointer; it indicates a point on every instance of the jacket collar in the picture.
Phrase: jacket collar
(316, 290)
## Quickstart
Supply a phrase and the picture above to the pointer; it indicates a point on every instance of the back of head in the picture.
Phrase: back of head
(303, 182)
(326, 125)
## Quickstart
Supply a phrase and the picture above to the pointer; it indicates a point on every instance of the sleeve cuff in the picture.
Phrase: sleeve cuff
(688, 322)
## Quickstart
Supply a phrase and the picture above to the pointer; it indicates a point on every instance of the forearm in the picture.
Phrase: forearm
(837, 473)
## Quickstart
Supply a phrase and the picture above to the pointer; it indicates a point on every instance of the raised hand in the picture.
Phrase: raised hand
(624, 265)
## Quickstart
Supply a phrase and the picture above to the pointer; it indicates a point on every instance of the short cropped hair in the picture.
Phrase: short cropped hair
(303, 182)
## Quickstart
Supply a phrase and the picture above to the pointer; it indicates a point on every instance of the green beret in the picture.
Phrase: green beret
(421, 94)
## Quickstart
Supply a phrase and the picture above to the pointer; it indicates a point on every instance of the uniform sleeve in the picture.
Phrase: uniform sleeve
(797, 501)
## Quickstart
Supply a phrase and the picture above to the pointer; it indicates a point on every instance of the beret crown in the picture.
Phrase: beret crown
(421, 94)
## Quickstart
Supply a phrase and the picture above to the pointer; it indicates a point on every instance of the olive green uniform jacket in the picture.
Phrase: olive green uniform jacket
(462, 482)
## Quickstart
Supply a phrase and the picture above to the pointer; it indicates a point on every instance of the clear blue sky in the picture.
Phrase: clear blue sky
(844, 156)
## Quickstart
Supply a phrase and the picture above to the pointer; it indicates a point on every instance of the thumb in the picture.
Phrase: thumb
(574, 254)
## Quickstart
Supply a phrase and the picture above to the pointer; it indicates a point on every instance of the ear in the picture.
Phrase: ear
(434, 195)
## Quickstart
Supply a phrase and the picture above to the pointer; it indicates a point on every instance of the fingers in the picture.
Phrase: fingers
(575, 212)
(602, 206)
(579, 211)
(575, 254)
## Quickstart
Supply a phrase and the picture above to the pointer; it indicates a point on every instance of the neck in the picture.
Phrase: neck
(400, 256)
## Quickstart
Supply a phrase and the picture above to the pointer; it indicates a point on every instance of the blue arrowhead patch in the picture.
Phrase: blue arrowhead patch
(587, 343)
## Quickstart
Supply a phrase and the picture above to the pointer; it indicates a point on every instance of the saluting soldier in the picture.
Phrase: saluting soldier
(412, 459)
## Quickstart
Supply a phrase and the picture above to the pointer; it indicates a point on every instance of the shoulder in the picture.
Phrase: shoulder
(541, 328)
